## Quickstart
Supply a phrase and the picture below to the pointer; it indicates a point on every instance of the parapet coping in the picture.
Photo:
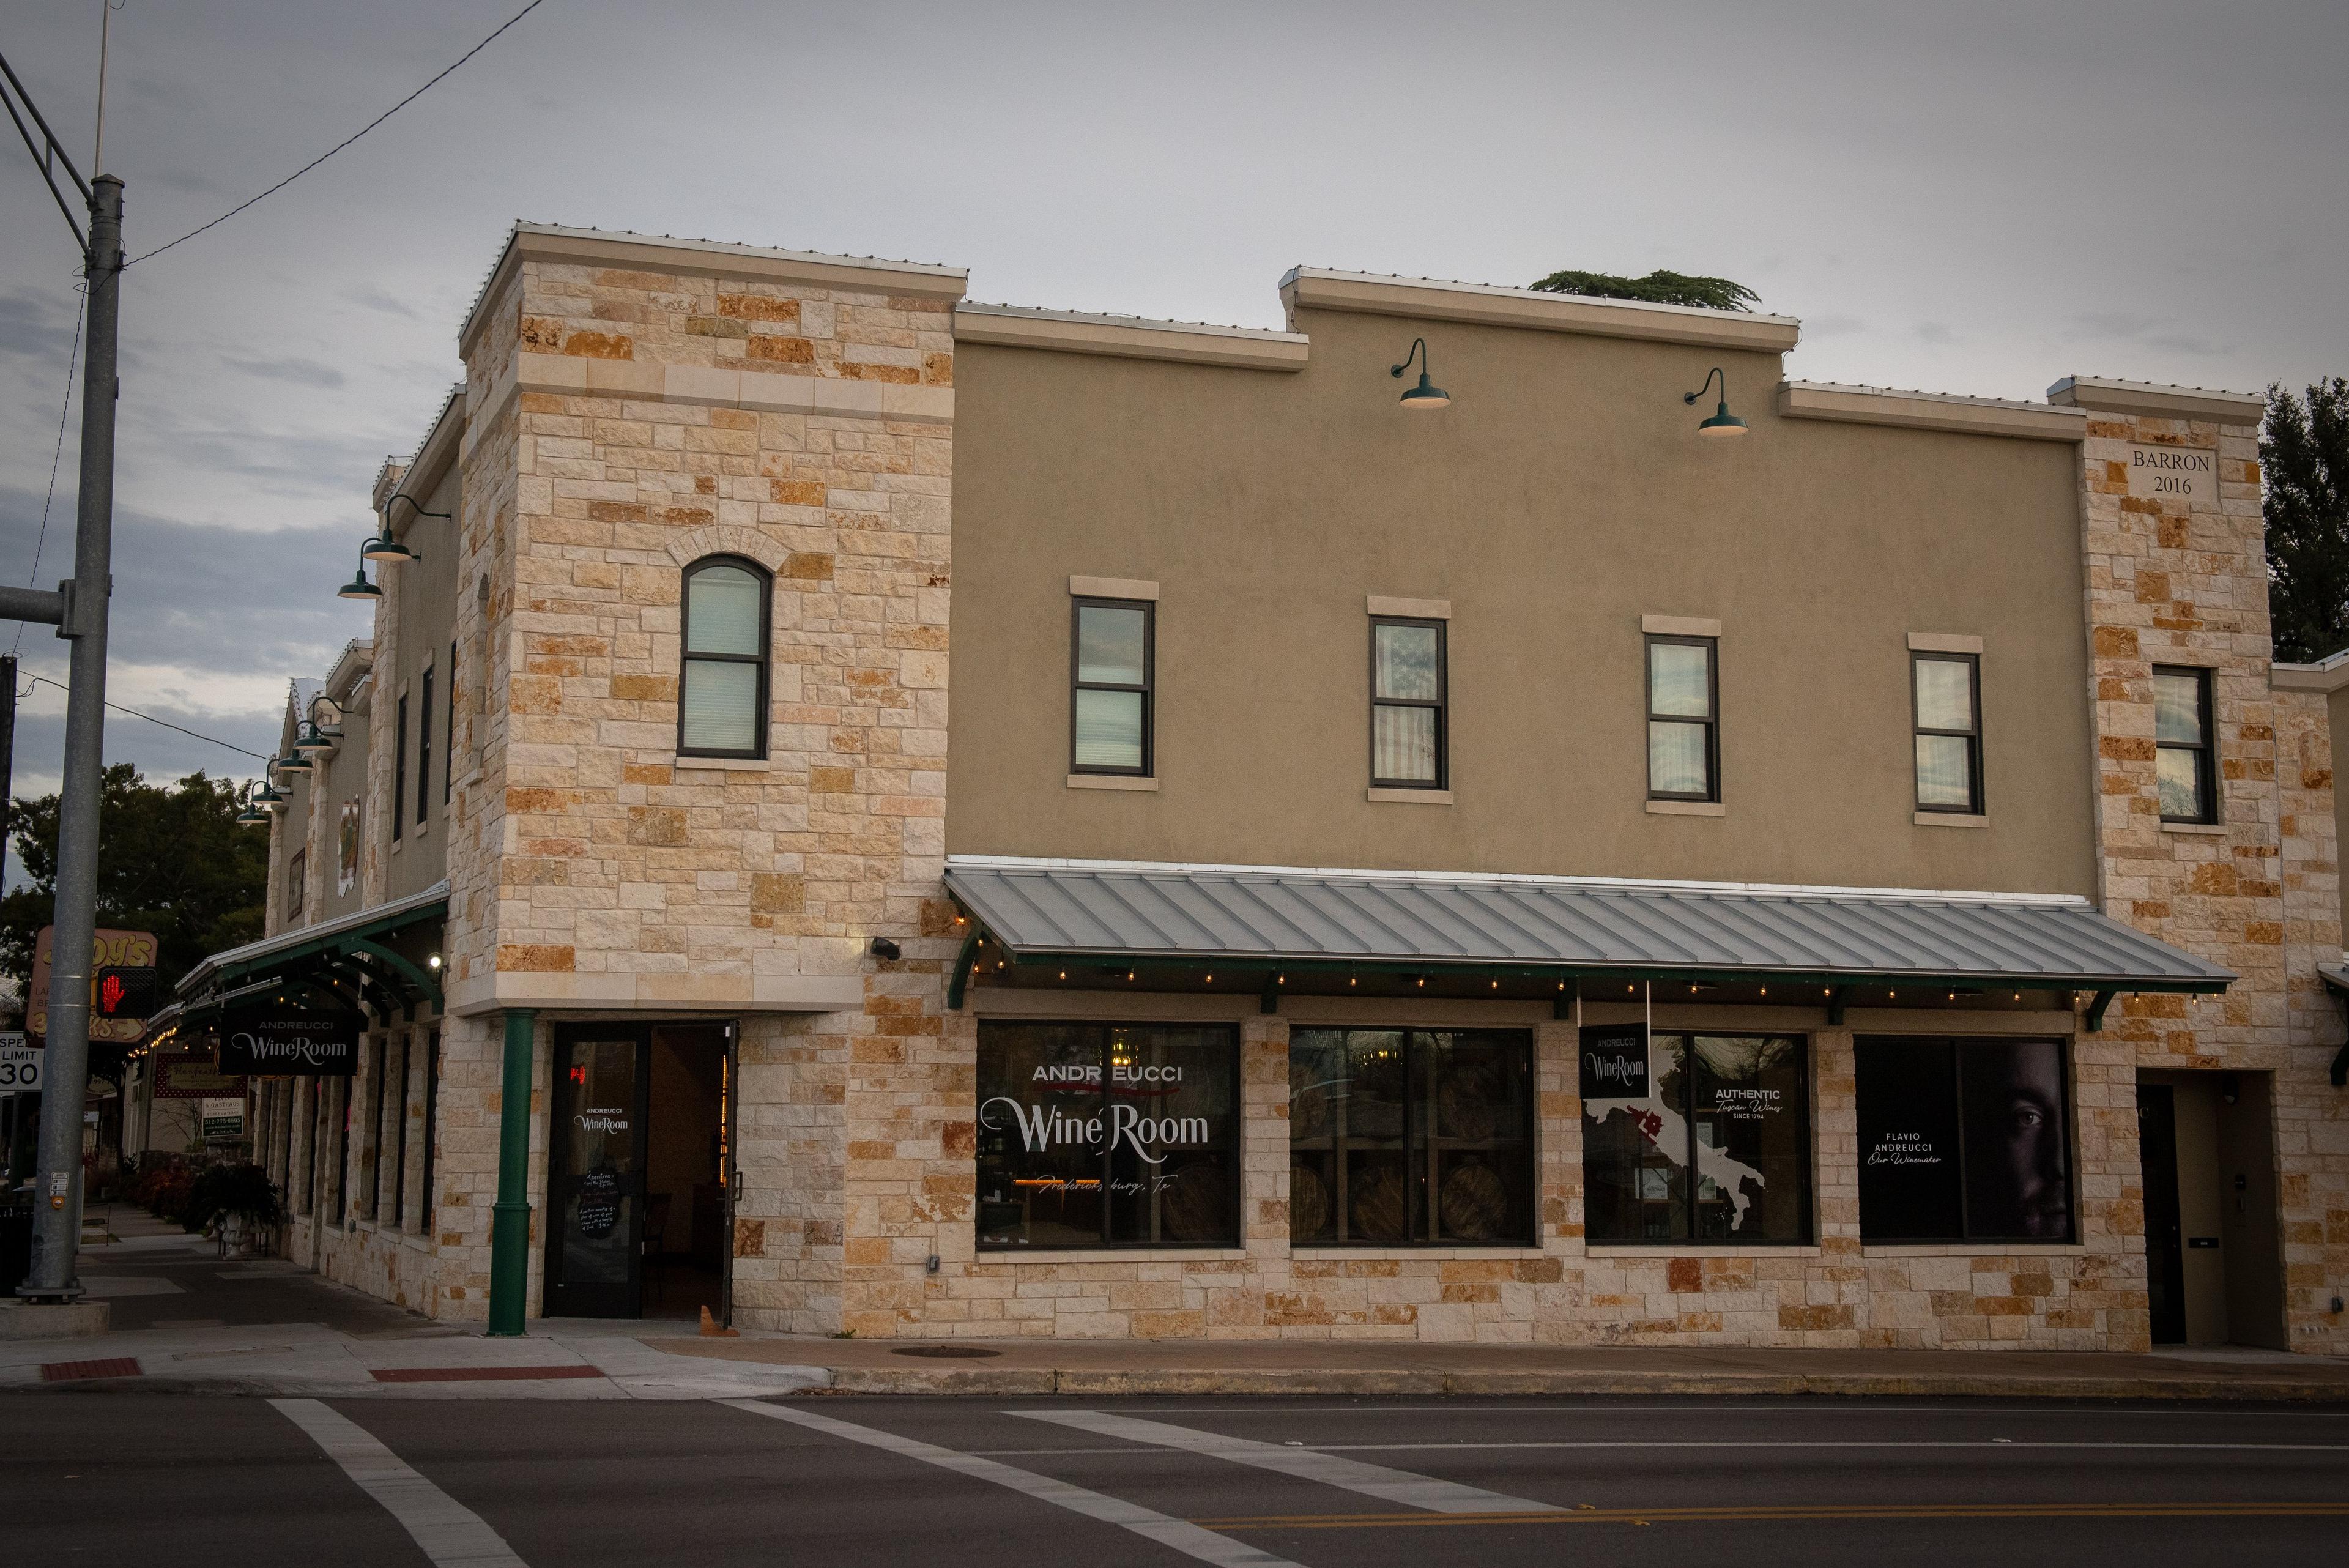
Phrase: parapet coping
(2160, 401)
(1130, 337)
(1930, 410)
(2327, 675)
(1433, 299)
(549, 242)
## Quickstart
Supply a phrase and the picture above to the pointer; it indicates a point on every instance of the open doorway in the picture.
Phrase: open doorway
(2213, 1254)
(687, 1243)
(640, 1219)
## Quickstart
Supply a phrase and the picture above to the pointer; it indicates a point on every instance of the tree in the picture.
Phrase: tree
(1659, 287)
(171, 861)
(2304, 461)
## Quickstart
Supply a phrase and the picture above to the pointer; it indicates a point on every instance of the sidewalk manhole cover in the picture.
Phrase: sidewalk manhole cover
(946, 1352)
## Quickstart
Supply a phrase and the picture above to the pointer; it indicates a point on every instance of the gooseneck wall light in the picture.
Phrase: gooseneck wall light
(1723, 422)
(384, 547)
(358, 588)
(1427, 394)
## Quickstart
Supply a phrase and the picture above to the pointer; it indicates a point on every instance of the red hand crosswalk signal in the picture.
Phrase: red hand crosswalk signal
(123, 993)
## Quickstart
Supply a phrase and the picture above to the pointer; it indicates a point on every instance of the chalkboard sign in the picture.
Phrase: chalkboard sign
(1615, 1063)
(599, 1203)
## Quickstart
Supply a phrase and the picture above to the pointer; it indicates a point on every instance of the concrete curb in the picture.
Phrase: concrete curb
(1038, 1382)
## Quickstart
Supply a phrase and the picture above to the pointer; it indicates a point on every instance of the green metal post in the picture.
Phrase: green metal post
(510, 1220)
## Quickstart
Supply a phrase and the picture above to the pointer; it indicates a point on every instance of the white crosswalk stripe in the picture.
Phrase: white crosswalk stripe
(1167, 1531)
(1304, 1464)
(449, 1534)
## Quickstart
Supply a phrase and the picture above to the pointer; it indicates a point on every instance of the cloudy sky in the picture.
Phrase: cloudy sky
(1966, 197)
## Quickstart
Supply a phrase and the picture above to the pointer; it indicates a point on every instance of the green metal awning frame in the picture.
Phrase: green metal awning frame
(344, 966)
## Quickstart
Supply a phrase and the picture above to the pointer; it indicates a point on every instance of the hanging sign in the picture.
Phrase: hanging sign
(1615, 1063)
(316, 1044)
(194, 1077)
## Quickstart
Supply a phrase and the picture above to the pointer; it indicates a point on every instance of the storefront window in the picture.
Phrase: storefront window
(1403, 1137)
(1107, 1135)
(1701, 1137)
(1963, 1140)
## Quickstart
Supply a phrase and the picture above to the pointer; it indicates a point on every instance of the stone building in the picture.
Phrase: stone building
(1496, 853)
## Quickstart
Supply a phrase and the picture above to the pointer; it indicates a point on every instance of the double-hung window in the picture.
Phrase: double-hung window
(1110, 649)
(2185, 758)
(1684, 718)
(1407, 703)
(722, 708)
(1947, 692)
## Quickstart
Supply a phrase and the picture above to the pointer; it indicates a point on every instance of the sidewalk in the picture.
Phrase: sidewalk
(188, 1321)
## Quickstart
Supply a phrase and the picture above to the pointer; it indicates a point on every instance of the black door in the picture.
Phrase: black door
(730, 1168)
(2164, 1244)
(595, 1187)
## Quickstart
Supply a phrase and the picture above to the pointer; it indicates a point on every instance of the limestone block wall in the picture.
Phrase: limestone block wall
(629, 414)
(2181, 579)
(1565, 1290)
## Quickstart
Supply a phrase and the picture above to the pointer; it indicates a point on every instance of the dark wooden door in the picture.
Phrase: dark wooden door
(2164, 1241)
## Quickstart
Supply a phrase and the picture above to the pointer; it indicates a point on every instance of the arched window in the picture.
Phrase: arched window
(722, 708)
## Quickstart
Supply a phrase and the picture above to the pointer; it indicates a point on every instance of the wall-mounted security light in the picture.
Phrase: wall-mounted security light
(1427, 394)
(1723, 422)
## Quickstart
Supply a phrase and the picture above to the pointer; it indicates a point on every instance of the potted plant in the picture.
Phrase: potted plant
(234, 1202)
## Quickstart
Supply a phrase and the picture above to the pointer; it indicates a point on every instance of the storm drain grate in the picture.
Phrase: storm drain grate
(73, 1371)
(479, 1374)
(946, 1352)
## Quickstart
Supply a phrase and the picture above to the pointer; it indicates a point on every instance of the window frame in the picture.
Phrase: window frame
(763, 659)
(1234, 1196)
(1974, 805)
(297, 892)
(1417, 1148)
(423, 746)
(1442, 705)
(449, 727)
(1711, 794)
(1808, 1235)
(399, 766)
(431, 1115)
(2206, 766)
(1078, 605)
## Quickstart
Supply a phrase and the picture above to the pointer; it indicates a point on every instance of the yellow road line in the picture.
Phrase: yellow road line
(1764, 1513)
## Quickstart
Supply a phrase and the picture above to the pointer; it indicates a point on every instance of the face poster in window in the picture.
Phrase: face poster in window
(2017, 1173)
(347, 848)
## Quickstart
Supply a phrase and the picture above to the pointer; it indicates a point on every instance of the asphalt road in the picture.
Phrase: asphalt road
(123, 1477)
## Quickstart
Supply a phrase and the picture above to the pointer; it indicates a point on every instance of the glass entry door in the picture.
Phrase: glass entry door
(595, 1187)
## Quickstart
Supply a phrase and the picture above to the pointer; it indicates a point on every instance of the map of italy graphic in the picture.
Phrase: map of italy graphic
(1668, 1134)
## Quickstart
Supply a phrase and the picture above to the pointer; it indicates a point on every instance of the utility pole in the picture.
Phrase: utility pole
(78, 610)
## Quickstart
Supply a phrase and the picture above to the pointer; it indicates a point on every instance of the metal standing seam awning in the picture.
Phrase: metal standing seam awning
(1561, 927)
(340, 964)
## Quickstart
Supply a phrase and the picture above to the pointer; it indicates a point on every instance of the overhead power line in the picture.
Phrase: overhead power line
(73, 358)
(213, 740)
(330, 151)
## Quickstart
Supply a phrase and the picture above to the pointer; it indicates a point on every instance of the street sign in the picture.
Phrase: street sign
(110, 950)
(20, 1066)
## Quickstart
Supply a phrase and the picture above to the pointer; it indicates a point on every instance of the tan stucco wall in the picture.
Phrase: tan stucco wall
(1562, 496)
(413, 636)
